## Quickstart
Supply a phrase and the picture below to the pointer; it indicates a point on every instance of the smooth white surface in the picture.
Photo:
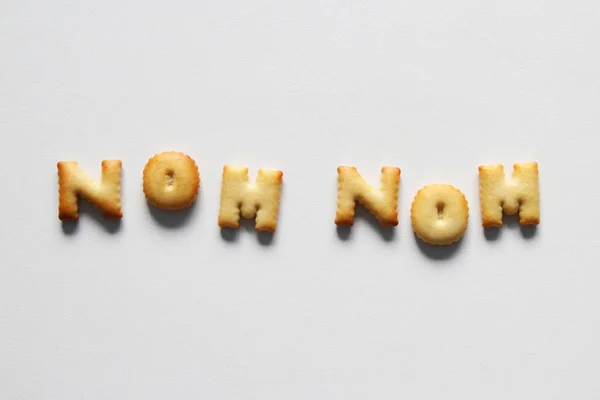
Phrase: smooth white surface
(167, 308)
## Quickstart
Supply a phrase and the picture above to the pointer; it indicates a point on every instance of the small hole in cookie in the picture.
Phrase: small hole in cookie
(170, 178)
(440, 209)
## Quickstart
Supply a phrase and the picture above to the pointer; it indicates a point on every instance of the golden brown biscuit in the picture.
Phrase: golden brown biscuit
(171, 180)
(258, 200)
(352, 189)
(74, 182)
(439, 214)
(517, 195)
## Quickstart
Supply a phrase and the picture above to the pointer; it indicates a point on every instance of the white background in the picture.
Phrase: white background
(166, 306)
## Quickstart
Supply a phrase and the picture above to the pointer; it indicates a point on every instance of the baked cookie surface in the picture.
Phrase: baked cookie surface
(73, 183)
(171, 180)
(241, 198)
(439, 214)
(518, 195)
(353, 189)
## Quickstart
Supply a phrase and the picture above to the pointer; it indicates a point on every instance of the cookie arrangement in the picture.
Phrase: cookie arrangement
(439, 212)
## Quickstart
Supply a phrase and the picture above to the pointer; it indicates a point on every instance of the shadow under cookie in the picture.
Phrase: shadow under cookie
(172, 218)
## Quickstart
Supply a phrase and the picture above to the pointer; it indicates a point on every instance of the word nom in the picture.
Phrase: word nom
(439, 212)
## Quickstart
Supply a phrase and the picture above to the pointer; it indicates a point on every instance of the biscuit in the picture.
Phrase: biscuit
(74, 182)
(439, 214)
(382, 203)
(258, 200)
(511, 196)
(171, 180)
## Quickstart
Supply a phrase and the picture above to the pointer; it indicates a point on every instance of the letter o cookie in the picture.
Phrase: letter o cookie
(171, 180)
(439, 214)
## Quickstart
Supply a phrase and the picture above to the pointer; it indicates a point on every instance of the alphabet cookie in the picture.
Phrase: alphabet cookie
(517, 195)
(171, 180)
(382, 203)
(74, 182)
(439, 214)
(258, 200)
